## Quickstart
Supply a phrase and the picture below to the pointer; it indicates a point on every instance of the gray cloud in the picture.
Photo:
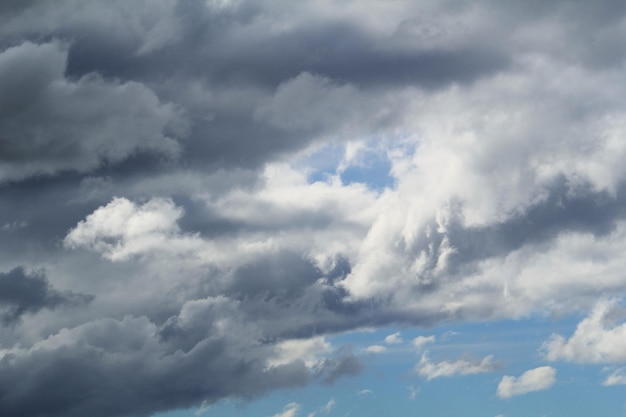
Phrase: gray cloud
(23, 293)
(50, 124)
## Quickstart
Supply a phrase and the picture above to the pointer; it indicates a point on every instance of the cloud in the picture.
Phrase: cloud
(329, 406)
(394, 339)
(338, 366)
(432, 370)
(190, 157)
(310, 351)
(365, 392)
(28, 293)
(47, 120)
(420, 341)
(376, 349)
(597, 339)
(148, 358)
(617, 377)
(413, 391)
(121, 229)
(290, 410)
(538, 379)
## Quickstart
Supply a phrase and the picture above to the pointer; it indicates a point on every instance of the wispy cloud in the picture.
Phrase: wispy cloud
(394, 339)
(413, 391)
(290, 410)
(432, 370)
(617, 377)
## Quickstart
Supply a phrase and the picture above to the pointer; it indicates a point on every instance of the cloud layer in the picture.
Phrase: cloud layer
(196, 195)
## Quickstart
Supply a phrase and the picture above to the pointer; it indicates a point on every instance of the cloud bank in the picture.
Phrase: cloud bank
(196, 195)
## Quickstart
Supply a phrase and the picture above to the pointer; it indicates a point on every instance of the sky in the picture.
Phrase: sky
(321, 208)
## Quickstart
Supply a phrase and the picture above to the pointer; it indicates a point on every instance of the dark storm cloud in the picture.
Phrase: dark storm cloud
(222, 49)
(230, 47)
(25, 293)
(50, 124)
(131, 367)
(119, 369)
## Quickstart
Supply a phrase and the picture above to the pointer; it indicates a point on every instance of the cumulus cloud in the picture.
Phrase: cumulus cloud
(122, 229)
(431, 370)
(538, 379)
(597, 339)
(191, 159)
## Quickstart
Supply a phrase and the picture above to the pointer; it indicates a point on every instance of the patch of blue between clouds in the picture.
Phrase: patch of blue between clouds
(371, 168)
(390, 384)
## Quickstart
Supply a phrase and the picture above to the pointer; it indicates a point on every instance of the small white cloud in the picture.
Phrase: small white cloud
(365, 392)
(537, 379)
(432, 370)
(617, 377)
(290, 410)
(413, 391)
(420, 341)
(449, 335)
(596, 339)
(329, 406)
(394, 339)
(376, 349)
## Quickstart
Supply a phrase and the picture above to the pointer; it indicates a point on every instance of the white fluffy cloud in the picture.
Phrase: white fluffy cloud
(472, 170)
(432, 370)
(123, 229)
(538, 379)
(597, 339)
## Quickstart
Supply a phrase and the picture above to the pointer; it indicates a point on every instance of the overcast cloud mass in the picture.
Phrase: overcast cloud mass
(195, 196)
